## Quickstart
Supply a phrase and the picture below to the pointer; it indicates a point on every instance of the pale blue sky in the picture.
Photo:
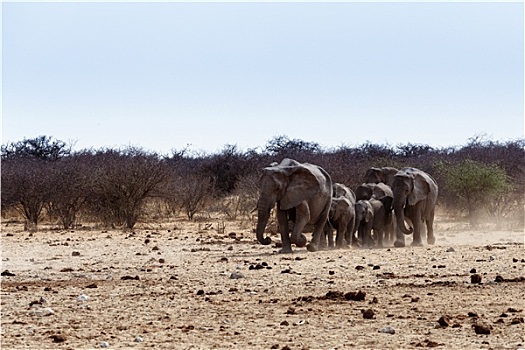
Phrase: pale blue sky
(164, 75)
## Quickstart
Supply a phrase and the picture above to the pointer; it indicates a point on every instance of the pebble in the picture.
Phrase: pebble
(368, 314)
(236, 275)
(450, 250)
(388, 330)
(475, 278)
(82, 297)
(46, 311)
(138, 339)
(104, 344)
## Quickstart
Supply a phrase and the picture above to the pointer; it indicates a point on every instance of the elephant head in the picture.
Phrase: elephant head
(410, 186)
(363, 212)
(377, 175)
(287, 186)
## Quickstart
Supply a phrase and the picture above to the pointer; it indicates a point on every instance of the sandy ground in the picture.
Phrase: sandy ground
(171, 287)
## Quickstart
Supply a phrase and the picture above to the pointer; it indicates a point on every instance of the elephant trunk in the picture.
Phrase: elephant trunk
(399, 210)
(263, 213)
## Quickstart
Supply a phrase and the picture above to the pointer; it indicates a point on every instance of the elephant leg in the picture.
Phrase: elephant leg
(431, 239)
(417, 222)
(327, 234)
(400, 238)
(282, 219)
(302, 213)
(380, 233)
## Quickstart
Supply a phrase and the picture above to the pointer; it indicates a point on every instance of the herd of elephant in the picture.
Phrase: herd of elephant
(378, 211)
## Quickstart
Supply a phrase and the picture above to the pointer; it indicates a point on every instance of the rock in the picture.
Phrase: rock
(359, 267)
(75, 254)
(46, 311)
(356, 296)
(104, 344)
(475, 278)
(472, 314)
(138, 339)
(130, 278)
(7, 273)
(450, 250)
(200, 292)
(285, 323)
(472, 270)
(92, 285)
(499, 279)
(368, 313)
(58, 338)
(388, 330)
(517, 320)
(236, 275)
(444, 321)
(481, 328)
(162, 261)
(82, 297)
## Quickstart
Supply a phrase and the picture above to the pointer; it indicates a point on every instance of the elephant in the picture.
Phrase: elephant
(373, 214)
(303, 194)
(341, 216)
(379, 190)
(415, 198)
(377, 175)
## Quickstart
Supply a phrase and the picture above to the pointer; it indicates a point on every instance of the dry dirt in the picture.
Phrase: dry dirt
(171, 287)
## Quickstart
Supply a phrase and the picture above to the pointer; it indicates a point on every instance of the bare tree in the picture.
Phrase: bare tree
(121, 181)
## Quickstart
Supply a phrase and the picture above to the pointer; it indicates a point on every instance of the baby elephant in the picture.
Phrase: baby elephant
(372, 214)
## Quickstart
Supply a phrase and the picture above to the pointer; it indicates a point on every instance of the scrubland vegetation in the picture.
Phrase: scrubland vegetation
(44, 180)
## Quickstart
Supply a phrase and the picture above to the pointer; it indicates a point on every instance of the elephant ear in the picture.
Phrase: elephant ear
(302, 185)
(387, 203)
(420, 189)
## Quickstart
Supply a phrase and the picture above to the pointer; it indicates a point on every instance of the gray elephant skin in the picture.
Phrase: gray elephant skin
(303, 194)
(378, 191)
(380, 175)
(415, 198)
(341, 216)
(373, 214)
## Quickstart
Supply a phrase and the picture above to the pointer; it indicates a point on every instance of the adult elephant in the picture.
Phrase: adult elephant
(415, 198)
(303, 194)
(380, 175)
(341, 216)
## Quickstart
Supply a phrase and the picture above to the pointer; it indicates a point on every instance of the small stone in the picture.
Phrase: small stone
(138, 339)
(475, 278)
(481, 328)
(376, 267)
(104, 344)
(7, 273)
(355, 296)
(472, 314)
(162, 261)
(285, 323)
(517, 320)
(92, 285)
(388, 330)
(155, 248)
(472, 270)
(499, 279)
(58, 338)
(290, 311)
(236, 275)
(200, 292)
(450, 250)
(368, 313)
(331, 272)
(359, 267)
(46, 311)
(444, 321)
(82, 297)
